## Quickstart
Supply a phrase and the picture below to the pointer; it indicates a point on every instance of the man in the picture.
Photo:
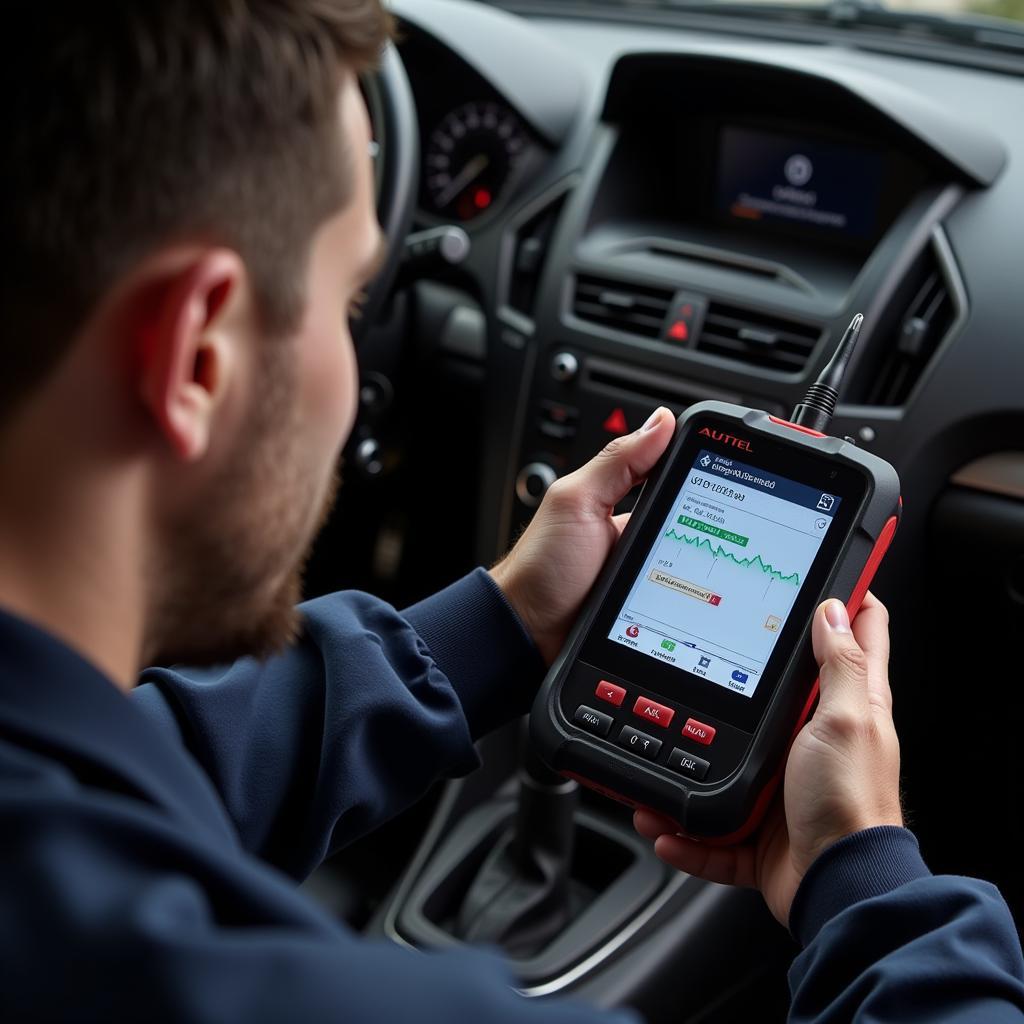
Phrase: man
(188, 219)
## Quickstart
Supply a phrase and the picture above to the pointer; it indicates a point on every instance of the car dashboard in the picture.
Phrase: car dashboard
(660, 213)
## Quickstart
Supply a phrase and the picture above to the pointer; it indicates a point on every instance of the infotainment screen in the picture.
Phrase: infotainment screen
(720, 581)
(770, 178)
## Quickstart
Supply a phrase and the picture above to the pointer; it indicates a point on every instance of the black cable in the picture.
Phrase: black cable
(815, 411)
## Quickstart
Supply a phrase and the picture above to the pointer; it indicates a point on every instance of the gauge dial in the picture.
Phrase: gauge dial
(469, 160)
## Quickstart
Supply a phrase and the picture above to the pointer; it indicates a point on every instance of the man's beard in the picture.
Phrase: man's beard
(230, 576)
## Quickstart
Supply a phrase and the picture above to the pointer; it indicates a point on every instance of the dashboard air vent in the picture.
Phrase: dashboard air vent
(632, 308)
(758, 339)
(924, 314)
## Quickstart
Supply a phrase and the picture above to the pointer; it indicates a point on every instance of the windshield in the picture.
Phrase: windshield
(1008, 12)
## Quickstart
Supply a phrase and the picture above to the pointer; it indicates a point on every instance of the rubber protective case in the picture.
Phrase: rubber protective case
(729, 810)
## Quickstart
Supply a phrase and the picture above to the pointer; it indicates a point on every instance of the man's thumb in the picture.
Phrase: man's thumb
(608, 477)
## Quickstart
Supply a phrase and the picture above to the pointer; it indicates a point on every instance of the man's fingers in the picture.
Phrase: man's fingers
(733, 865)
(650, 824)
(871, 628)
(842, 661)
(607, 478)
(853, 661)
(728, 865)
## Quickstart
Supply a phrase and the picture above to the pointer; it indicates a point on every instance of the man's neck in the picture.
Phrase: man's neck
(67, 551)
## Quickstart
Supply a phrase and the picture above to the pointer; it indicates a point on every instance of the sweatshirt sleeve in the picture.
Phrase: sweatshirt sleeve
(112, 912)
(324, 742)
(885, 940)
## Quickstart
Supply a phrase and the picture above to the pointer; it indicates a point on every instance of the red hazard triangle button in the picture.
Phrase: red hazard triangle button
(685, 319)
(616, 423)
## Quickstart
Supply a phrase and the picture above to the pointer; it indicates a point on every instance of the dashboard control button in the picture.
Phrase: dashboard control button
(557, 431)
(376, 393)
(616, 422)
(698, 731)
(558, 420)
(639, 742)
(593, 721)
(368, 458)
(564, 366)
(610, 692)
(685, 319)
(557, 412)
(688, 764)
(533, 482)
(651, 712)
(446, 244)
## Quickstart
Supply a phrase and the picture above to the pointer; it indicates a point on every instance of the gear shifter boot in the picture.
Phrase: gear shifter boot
(521, 897)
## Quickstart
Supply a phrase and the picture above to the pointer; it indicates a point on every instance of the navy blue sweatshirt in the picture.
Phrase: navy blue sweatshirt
(149, 847)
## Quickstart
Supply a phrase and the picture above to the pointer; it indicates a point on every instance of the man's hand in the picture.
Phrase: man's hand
(551, 569)
(842, 775)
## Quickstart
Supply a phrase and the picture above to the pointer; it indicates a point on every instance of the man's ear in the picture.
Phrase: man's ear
(184, 355)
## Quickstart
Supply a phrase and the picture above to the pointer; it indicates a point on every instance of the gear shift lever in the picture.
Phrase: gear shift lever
(521, 897)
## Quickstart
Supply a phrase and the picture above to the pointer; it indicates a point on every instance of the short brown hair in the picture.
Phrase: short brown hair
(131, 123)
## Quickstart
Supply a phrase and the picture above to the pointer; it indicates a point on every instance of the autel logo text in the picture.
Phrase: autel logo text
(724, 438)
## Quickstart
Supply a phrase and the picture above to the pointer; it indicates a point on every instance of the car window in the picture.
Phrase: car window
(1005, 15)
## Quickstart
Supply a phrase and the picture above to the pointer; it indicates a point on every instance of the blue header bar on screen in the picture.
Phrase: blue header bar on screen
(744, 475)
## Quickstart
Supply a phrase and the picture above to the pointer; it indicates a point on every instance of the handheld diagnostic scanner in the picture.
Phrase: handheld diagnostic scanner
(690, 670)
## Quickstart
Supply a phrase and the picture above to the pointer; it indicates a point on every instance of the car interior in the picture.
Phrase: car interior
(595, 208)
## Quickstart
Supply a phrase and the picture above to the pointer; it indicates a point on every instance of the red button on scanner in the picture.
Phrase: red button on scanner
(698, 731)
(651, 712)
(610, 692)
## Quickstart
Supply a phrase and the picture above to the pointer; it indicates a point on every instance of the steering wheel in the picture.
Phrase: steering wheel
(396, 172)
